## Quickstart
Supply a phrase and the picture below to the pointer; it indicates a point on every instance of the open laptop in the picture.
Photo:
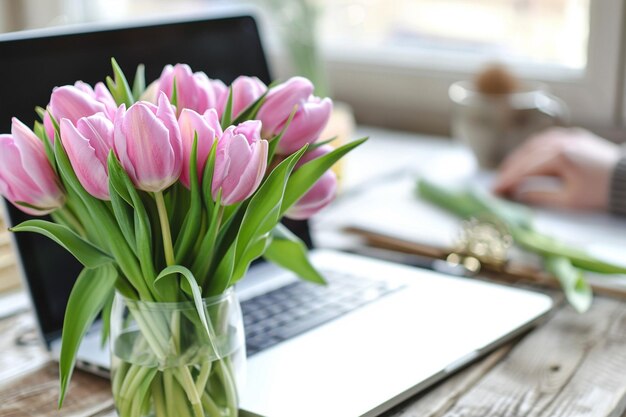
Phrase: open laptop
(376, 335)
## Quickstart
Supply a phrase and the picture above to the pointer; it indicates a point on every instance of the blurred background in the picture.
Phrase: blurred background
(393, 61)
(396, 64)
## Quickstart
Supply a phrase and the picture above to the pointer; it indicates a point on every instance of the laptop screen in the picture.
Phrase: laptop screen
(31, 66)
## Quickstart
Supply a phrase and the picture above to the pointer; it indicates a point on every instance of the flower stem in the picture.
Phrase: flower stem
(165, 229)
(159, 396)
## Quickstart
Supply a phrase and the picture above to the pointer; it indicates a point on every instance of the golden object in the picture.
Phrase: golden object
(483, 241)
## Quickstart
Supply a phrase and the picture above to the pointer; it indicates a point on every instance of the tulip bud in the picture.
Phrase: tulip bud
(87, 145)
(194, 91)
(245, 90)
(208, 129)
(79, 100)
(240, 162)
(148, 144)
(311, 116)
(26, 175)
(320, 194)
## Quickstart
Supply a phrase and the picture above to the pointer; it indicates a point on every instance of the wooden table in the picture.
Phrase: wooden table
(572, 365)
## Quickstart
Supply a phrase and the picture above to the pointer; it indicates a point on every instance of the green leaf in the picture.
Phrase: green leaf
(228, 111)
(124, 215)
(122, 208)
(55, 124)
(32, 206)
(224, 271)
(256, 250)
(107, 225)
(120, 182)
(195, 290)
(139, 83)
(288, 251)
(40, 131)
(322, 143)
(549, 246)
(40, 112)
(89, 294)
(305, 176)
(457, 202)
(251, 111)
(576, 289)
(190, 229)
(106, 319)
(202, 264)
(273, 144)
(118, 86)
(263, 212)
(207, 181)
(174, 99)
(86, 253)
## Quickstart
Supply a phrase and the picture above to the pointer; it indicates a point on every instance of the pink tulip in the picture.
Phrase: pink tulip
(194, 91)
(79, 100)
(310, 119)
(148, 144)
(220, 91)
(208, 128)
(246, 90)
(87, 145)
(320, 194)
(25, 172)
(240, 162)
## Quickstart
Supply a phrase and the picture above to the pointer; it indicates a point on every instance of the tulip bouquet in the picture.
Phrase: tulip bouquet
(166, 194)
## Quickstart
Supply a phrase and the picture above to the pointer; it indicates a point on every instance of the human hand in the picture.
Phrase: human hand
(581, 161)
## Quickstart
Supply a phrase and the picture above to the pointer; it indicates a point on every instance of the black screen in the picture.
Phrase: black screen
(30, 68)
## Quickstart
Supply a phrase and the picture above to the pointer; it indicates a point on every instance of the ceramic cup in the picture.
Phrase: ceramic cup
(493, 125)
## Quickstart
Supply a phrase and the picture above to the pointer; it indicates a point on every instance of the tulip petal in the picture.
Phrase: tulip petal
(148, 151)
(166, 114)
(246, 90)
(33, 157)
(90, 169)
(18, 185)
(240, 162)
(194, 91)
(281, 100)
(191, 123)
(319, 196)
(72, 103)
(239, 153)
(306, 126)
(99, 130)
(253, 174)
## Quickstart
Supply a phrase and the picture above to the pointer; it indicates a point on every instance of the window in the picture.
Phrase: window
(414, 49)
(552, 32)
(393, 60)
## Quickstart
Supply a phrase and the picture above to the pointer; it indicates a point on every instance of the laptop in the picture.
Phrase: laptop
(376, 335)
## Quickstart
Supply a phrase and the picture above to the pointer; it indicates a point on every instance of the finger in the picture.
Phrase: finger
(536, 164)
(559, 198)
(550, 139)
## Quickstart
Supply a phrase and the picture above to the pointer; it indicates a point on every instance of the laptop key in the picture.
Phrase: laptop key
(298, 327)
(296, 308)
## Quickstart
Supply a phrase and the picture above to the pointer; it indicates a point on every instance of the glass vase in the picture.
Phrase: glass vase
(164, 363)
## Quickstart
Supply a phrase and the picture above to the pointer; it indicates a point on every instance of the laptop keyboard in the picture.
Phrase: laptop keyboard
(293, 309)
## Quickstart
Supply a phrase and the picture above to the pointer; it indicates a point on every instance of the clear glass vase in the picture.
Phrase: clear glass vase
(165, 364)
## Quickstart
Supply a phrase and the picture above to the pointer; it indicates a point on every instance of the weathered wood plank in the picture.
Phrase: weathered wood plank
(36, 395)
(436, 401)
(574, 365)
(21, 349)
(9, 278)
